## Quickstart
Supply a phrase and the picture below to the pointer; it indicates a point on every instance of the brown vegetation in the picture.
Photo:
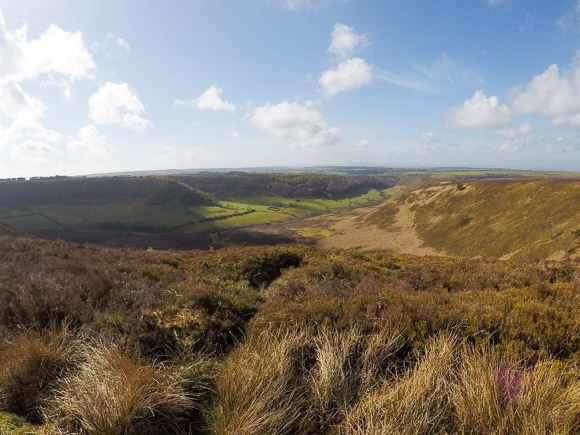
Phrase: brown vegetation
(286, 339)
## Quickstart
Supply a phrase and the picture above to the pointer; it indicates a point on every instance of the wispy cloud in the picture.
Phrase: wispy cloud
(570, 19)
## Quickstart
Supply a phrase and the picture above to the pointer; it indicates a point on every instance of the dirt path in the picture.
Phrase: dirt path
(400, 238)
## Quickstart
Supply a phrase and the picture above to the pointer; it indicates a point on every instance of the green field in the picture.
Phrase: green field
(125, 213)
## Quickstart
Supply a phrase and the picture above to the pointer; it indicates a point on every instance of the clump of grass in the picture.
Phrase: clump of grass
(112, 394)
(31, 364)
(416, 402)
(256, 388)
(347, 365)
(491, 395)
(301, 381)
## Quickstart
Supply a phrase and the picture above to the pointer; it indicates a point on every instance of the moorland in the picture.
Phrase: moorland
(374, 302)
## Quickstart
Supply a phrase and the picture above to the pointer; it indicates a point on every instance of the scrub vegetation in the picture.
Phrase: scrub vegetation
(483, 337)
(284, 339)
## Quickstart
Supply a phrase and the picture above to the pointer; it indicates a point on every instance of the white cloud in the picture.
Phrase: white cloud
(60, 52)
(17, 104)
(480, 112)
(89, 142)
(570, 18)
(560, 145)
(430, 138)
(123, 44)
(367, 137)
(115, 103)
(301, 124)
(345, 41)
(512, 146)
(571, 120)
(428, 149)
(294, 5)
(445, 71)
(493, 2)
(28, 140)
(119, 41)
(550, 93)
(209, 100)
(349, 74)
(523, 129)
(58, 55)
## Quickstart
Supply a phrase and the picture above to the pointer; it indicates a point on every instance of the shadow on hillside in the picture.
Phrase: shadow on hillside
(170, 240)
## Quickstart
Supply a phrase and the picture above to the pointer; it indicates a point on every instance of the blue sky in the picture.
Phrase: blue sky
(110, 86)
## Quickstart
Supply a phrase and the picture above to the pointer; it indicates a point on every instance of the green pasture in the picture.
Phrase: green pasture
(229, 213)
(31, 222)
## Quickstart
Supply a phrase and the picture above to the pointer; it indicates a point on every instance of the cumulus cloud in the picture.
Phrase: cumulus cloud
(301, 124)
(480, 112)
(89, 142)
(349, 74)
(59, 55)
(553, 93)
(209, 100)
(59, 52)
(116, 104)
(550, 93)
(345, 41)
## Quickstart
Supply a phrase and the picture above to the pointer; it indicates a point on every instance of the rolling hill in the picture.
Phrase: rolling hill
(489, 218)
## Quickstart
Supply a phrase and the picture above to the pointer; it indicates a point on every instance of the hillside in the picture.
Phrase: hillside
(180, 212)
(7, 230)
(489, 218)
(289, 185)
(283, 340)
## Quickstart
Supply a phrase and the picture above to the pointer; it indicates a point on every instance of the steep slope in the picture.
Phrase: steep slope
(494, 218)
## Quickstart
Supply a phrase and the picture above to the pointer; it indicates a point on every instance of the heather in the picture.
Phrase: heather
(285, 339)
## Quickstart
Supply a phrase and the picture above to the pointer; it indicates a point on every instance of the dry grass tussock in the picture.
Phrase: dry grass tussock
(416, 402)
(112, 394)
(491, 395)
(300, 381)
(32, 363)
(461, 389)
(256, 387)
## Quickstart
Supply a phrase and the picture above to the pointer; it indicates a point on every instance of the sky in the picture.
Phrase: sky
(110, 86)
